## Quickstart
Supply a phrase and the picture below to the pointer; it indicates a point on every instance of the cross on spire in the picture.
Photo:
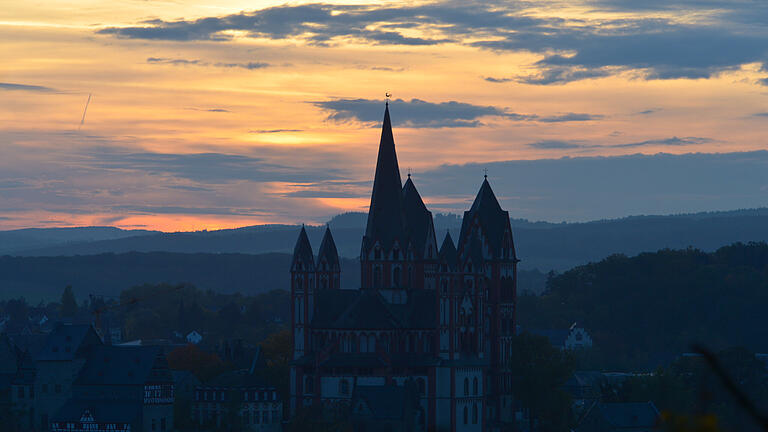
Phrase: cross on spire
(485, 170)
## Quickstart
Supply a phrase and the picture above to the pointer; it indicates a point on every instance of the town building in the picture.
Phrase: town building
(440, 315)
(238, 398)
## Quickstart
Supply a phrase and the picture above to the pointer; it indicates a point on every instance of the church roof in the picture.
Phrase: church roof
(302, 253)
(367, 309)
(386, 220)
(448, 254)
(492, 218)
(328, 252)
(418, 218)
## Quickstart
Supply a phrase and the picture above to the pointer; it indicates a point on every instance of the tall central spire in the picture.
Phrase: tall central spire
(385, 216)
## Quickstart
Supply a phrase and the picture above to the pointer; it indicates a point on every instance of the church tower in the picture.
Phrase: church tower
(302, 293)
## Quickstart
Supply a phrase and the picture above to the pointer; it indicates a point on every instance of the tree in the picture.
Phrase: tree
(68, 302)
(539, 371)
(205, 365)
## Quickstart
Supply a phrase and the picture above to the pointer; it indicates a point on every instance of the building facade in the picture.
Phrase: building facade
(438, 315)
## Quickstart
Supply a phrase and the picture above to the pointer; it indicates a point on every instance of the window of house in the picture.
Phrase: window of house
(474, 386)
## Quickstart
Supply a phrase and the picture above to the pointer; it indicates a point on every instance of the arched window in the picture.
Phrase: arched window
(474, 413)
(377, 277)
(396, 277)
(474, 386)
(466, 417)
(466, 386)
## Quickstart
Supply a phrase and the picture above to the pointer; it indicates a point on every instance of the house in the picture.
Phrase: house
(238, 398)
(440, 314)
(57, 365)
(574, 337)
(194, 337)
(120, 388)
(620, 417)
(388, 408)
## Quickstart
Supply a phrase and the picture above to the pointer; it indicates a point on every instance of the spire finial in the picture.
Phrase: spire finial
(485, 171)
(388, 95)
(409, 172)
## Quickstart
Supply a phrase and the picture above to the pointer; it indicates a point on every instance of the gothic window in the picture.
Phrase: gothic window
(466, 417)
(474, 413)
(377, 253)
(396, 277)
(466, 387)
(377, 277)
(474, 386)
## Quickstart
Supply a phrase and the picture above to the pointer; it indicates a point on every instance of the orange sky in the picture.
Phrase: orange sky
(171, 116)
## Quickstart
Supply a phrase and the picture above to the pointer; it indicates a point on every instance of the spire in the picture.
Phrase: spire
(328, 252)
(303, 259)
(418, 218)
(385, 216)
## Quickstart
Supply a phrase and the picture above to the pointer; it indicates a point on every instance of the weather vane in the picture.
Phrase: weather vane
(388, 95)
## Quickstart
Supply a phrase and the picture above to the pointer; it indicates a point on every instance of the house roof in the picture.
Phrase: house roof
(67, 341)
(124, 365)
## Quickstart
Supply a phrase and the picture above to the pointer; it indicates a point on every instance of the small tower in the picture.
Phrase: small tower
(302, 293)
(328, 266)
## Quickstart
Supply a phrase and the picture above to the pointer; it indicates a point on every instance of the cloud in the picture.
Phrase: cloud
(26, 87)
(573, 144)
(761, 114)
(649, 111)
(214, 110)
(498, 80)
(570, 117)
(186, 62)
(271, 131)
(573, 49)
(417, 113)
(554, 144)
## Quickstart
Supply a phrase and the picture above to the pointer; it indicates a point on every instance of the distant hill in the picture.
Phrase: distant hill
(30, 238)
(541, 245)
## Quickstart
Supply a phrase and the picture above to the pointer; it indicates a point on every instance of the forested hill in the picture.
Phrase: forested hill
(540, 245)
(107, 274)
(649, 308)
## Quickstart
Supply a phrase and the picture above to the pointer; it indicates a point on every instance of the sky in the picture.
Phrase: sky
(178, 115)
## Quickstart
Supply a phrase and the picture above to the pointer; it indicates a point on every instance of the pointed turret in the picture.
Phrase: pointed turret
(303, 259)
(486, 214)
(448, 254)
(328, 256)
(385, 215)
(419, 225)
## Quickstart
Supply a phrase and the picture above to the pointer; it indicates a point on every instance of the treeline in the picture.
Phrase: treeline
(646, 310)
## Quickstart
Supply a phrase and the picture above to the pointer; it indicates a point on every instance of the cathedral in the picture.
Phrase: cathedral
(438, 319)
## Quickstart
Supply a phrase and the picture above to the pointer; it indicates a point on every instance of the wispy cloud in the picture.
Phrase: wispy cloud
(271, 131)
(574, 144)
(26, 87)
(196, 62)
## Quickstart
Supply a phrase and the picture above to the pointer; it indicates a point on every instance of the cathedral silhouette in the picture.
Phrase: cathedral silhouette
(437, 321)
